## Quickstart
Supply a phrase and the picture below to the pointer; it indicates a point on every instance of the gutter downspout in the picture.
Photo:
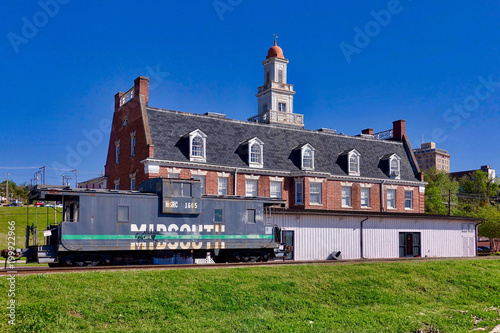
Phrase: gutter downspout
(477, 238)
(382, 201)
(361, 237)
(235, 180)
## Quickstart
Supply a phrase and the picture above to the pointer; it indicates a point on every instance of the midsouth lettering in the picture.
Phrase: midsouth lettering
(11, 308)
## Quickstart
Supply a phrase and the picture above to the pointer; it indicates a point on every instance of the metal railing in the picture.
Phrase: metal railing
(385, 135)
(127, 96)
(271, 116)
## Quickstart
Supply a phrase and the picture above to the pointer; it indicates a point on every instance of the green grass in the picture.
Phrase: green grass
(19, 216)
(448, 295)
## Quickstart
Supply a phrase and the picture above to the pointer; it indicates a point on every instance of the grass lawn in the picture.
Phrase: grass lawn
(19, 215)
(448, 295)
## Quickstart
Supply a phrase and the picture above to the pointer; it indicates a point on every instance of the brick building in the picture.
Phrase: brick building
(428, 156)
(269, 155)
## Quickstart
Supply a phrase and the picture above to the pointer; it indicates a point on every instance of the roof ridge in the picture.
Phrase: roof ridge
(244, 122)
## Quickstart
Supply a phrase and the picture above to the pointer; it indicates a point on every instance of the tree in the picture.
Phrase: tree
(440, 193)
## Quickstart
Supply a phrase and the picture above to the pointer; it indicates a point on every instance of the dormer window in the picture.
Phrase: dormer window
(307, 157)
(197, 146)
(353, 158)
(392, 165)
(395, 166)
(255, 153)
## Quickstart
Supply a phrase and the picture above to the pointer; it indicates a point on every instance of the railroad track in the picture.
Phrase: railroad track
(55, 270)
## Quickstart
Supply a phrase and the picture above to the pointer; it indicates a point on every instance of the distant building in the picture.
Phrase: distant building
(94, 183)
(485, 168)
(428, 156)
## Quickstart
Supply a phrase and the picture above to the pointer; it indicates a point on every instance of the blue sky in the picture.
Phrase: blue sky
(353, 64)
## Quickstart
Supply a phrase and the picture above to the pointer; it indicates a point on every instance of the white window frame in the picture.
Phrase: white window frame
(353, 155)
(251, 187)
(312, 194)
(195, 135)
(117, 152)
(132, 144)
(303, 151)
(409, 200)
(272, 189)
(257, 144)
(299, 193)
(391, 200)
(346, 193)
(365, 197)
(132, 183)
(282, 106)
(222, 186)
(395, 166)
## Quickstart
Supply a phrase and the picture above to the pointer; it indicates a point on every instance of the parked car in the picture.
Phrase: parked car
(59, 206)
(39, 204)
(483, 249)
(49, 205)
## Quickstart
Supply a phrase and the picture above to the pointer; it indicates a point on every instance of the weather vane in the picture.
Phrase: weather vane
(275, 37)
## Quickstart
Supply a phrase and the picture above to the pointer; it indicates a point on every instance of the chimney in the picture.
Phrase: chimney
(141, 87)
(399, 129)
(368, 131)
(117, 100)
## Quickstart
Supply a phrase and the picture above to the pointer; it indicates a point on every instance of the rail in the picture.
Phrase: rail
(385, 135)
(279, 117)
(127, 96)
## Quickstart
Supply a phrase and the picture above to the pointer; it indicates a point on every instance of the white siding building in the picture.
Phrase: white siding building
(320, 236)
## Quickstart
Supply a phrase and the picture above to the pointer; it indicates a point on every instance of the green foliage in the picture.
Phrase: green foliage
(15, 191)
(447, 295)
(490, 227)
(440, 191)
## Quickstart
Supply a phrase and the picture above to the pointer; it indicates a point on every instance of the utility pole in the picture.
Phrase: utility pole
(449, 202)
(7, 188)
(76, 176)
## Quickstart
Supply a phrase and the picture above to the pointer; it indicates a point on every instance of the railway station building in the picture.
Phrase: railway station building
(329, 181)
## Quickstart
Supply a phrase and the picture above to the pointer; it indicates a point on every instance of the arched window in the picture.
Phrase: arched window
(353, 161)
(394, 167)
(255, 154)
(354, 164)
(197, 146)
(307, 159)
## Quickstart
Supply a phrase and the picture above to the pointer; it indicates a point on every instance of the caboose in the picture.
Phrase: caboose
(167, 221)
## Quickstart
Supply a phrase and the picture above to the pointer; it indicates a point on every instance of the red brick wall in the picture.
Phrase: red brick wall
(127, 164)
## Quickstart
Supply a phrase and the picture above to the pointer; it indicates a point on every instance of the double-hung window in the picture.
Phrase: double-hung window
(315, 193)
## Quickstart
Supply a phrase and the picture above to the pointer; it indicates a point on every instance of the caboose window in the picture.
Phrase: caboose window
(123, 213)
(181, 189)
(250, 215)
(218, 215)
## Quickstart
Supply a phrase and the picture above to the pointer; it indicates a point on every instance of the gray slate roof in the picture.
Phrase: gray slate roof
(225, 138)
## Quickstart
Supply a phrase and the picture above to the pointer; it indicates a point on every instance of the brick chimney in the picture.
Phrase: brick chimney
(399, 129)
(368, 131)
(141, 87)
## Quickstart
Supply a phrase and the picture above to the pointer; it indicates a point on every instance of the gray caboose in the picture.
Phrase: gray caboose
(166, 221)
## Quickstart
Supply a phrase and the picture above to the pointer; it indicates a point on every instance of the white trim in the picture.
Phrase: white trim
(199, 172)
(408, 188)
(303, 149)
(174, 170)
(346, 184)
(252, 177)
(192, 135)
(276, 179)
(316, 180)
(421, 189)
(391, 187)
(293, 174)
(358, 157)
(364, 185)
(223, 174)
